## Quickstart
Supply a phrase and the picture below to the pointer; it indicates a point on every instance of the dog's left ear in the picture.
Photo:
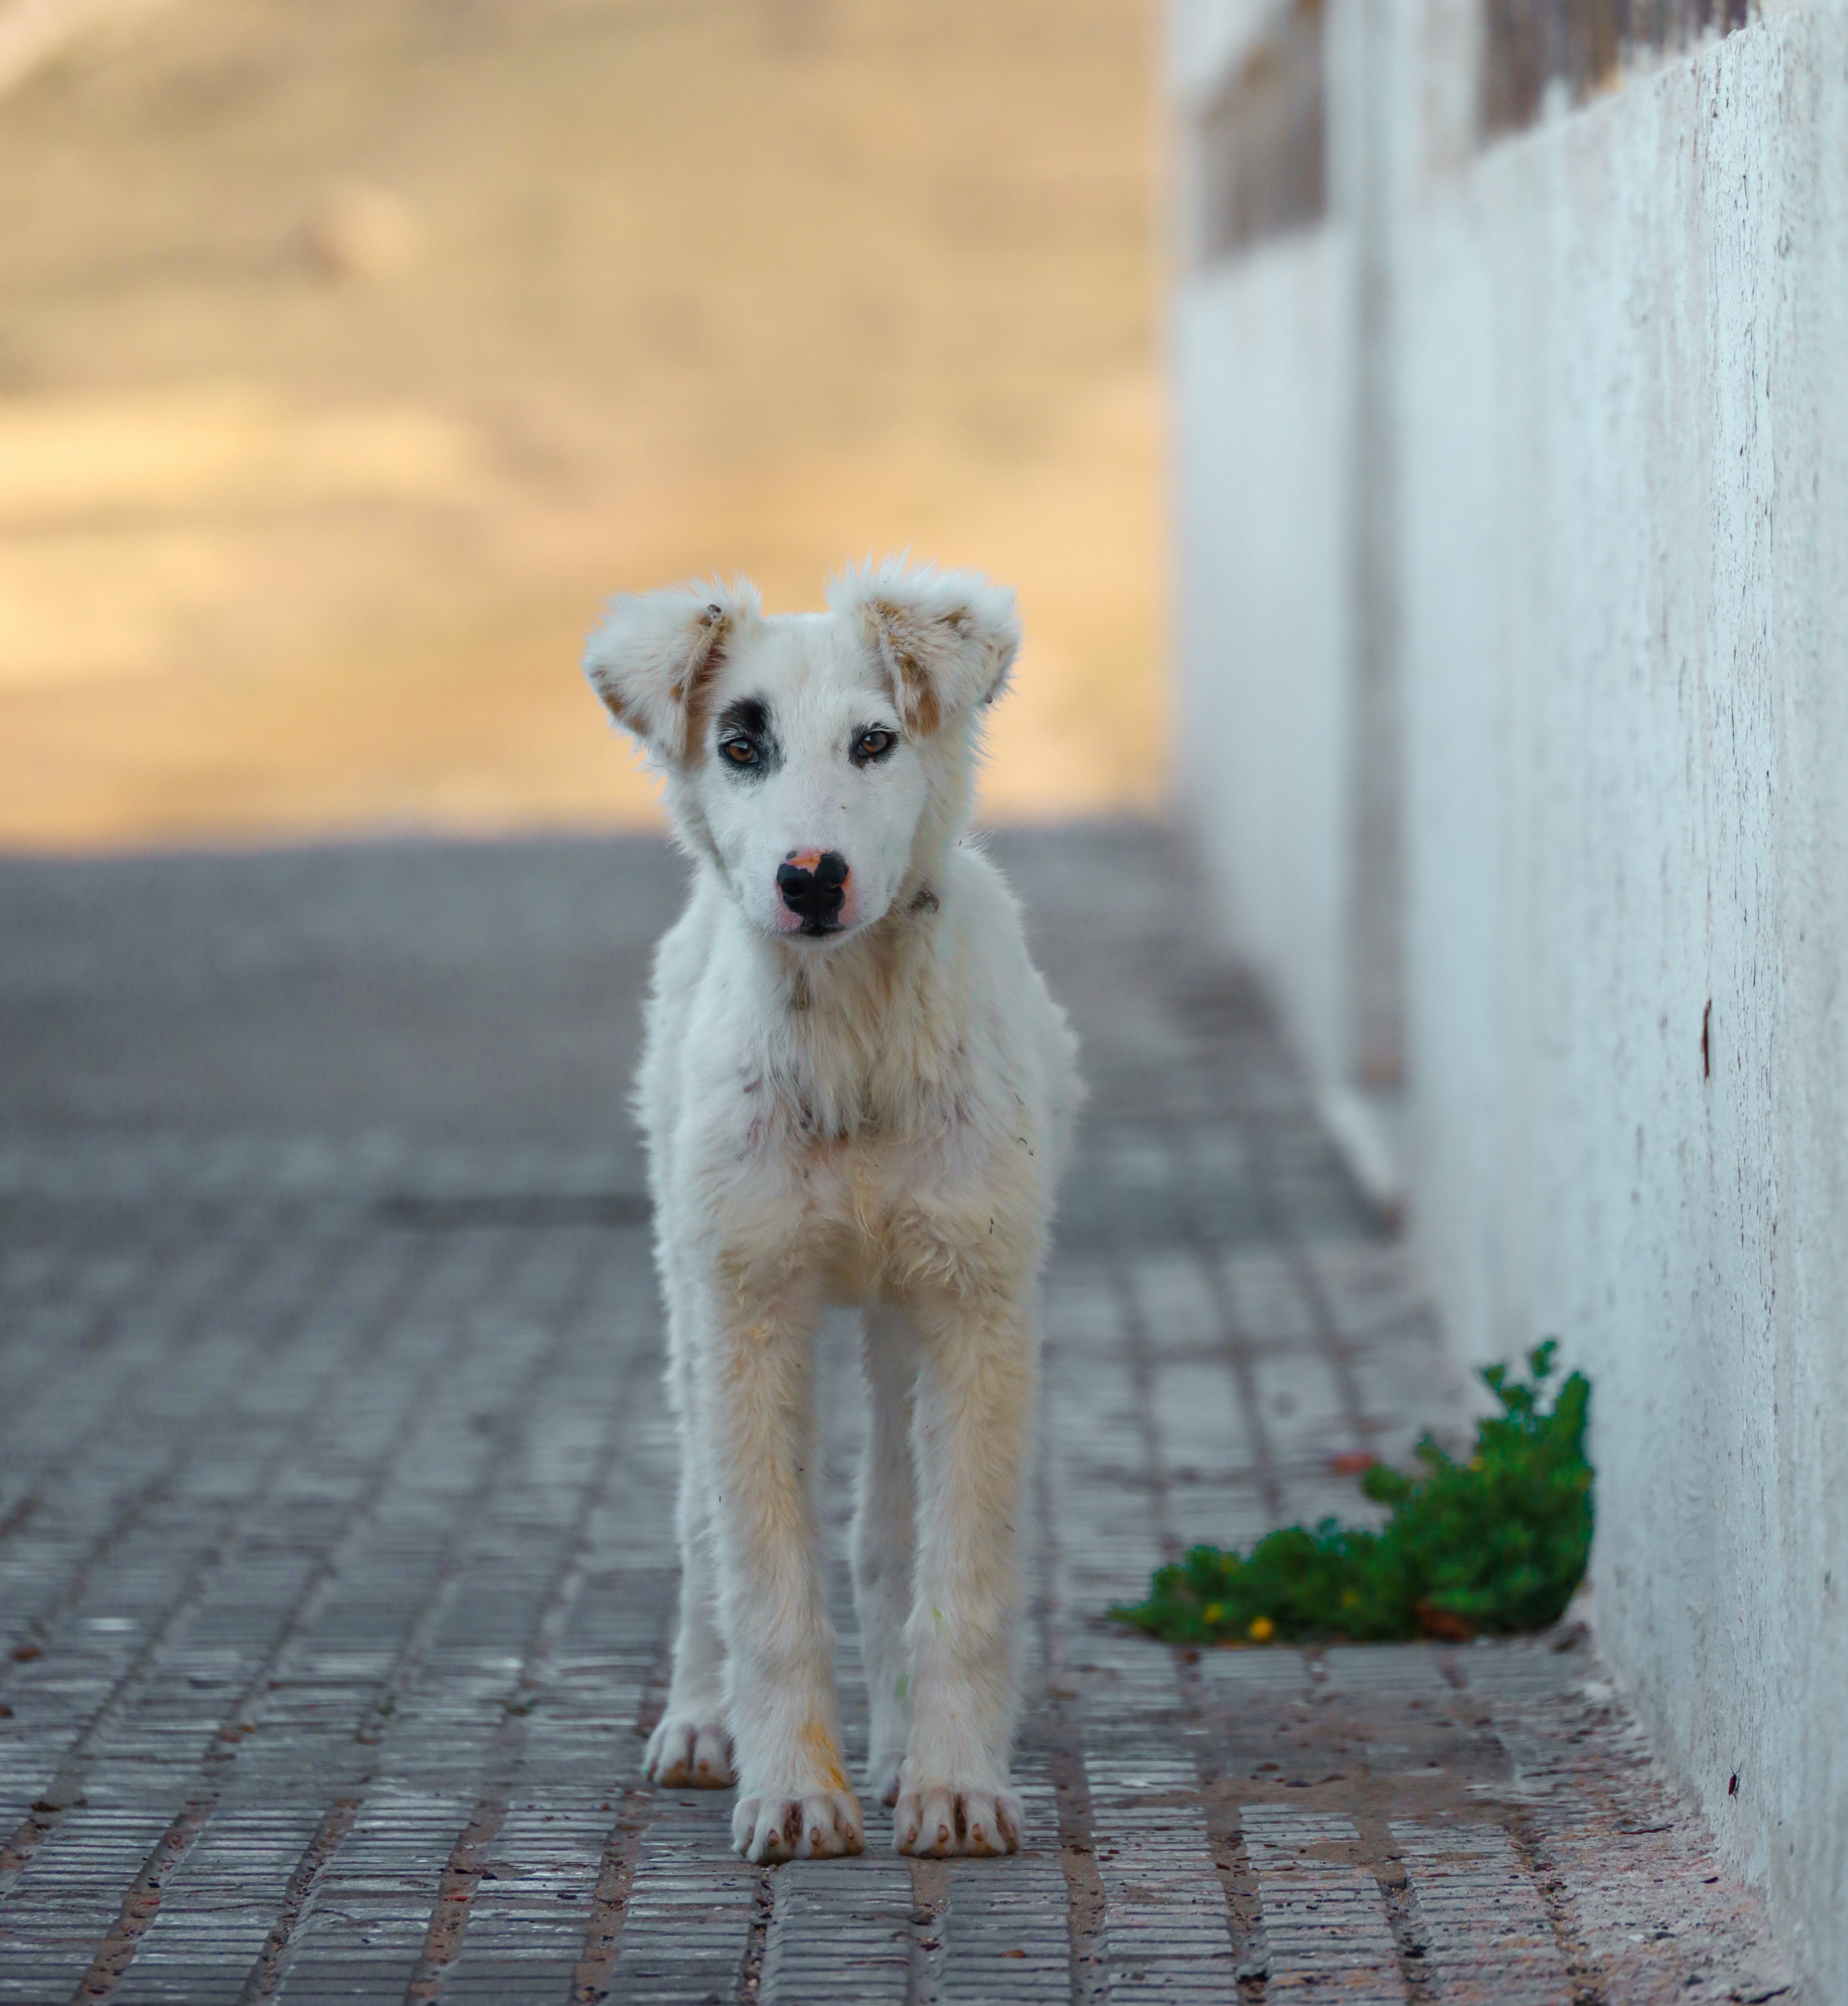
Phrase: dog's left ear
(947, 639)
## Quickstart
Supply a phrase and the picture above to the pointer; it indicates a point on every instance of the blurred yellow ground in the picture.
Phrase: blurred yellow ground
(352, 351)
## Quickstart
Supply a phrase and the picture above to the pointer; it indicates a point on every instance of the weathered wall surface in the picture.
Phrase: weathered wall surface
(1261, 352)
(1618, 363)
(1626, 381)
(1288, 760)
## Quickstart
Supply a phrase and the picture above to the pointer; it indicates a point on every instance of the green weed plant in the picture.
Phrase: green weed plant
(1495, 1543)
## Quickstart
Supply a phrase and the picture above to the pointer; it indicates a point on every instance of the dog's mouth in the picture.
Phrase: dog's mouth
(804, 927)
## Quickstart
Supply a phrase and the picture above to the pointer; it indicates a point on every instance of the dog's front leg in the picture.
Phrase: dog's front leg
(970, 1425)
(758, 1408)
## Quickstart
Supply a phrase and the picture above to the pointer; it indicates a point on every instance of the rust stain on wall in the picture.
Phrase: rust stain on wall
(1528, 45)
(1260, 140)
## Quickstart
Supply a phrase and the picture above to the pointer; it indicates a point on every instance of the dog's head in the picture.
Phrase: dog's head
(816, 757)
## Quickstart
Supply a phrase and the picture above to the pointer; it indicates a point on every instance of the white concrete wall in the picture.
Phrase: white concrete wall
(1264, 377)
(1287, 633)
(1618, 364)
(1625, 371)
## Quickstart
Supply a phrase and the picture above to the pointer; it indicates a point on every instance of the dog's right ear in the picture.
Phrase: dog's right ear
(654, 658)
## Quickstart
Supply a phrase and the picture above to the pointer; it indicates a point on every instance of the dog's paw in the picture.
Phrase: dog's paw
(823, 1825)
(940, 1820)
(688, 1754)
(882, 1772)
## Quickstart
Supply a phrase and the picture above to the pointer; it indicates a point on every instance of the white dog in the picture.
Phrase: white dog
(856, 1088)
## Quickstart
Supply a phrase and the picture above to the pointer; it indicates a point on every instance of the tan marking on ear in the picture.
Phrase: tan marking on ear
(695, 694)
(919, 696)
(911, 689)
(606, 694)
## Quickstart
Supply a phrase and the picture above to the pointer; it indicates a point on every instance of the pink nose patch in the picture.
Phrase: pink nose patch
(813, 885)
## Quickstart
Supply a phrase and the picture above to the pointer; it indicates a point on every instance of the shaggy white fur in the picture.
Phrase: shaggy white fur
(856, 1088)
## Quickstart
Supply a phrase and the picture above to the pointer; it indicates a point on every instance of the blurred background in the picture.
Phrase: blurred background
(350, 355)
(352, 352)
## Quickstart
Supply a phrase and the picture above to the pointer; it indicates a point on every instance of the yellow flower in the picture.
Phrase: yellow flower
(1262, 1629)
(1212, 1612)
(1475, 1463)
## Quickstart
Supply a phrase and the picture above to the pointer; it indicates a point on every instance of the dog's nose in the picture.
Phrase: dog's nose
(813, 884)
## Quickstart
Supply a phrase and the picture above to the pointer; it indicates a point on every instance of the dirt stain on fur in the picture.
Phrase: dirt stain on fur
(826, 1753)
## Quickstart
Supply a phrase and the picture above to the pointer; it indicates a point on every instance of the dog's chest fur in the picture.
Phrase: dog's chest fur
(871, 1048)
(861, 1117)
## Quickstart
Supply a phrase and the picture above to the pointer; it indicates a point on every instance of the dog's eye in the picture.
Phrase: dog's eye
(874, 744)
(740, 751)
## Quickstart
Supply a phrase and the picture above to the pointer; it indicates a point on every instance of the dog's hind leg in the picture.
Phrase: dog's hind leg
(883, 1573)
(691, 1746)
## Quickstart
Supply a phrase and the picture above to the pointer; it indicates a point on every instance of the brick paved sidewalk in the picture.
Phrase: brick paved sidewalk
(335, 1550)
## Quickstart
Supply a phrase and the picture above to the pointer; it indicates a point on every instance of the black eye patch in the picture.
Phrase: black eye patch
(746, 744)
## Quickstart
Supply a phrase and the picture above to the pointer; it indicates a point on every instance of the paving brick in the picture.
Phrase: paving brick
(372, 1902)
(216, 1911)
(840, 1929)
(528, 1916)
(1483, 1931)
(54, 1920)
(1007, 1941)
(1326, 1931)
(689, 1919)
(1166, 1927)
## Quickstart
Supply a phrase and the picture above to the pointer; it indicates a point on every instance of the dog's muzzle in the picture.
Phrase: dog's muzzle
(813, 885)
